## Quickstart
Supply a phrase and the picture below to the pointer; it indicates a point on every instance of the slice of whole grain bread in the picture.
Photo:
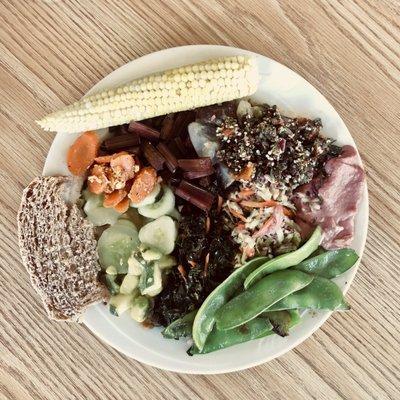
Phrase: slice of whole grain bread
(58, 248)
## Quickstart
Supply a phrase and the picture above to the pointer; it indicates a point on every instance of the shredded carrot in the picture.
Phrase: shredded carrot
(147, 324)
(258, 204)
(237, 215)
(240, 226)
(206, 262)
(82, 152)
(192, 263)
(243, 194)
(220, 201)
(122, 206)
(182, 271)
(267, 203)
(248, 251)
(266, 227)
(113, 198)
(208, 224)
(288, 212)
(246, 173)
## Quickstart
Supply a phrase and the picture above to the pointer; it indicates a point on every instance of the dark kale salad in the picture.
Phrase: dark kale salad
(205, 252)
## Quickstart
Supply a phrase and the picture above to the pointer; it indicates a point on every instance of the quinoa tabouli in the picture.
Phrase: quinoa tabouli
(202, 212)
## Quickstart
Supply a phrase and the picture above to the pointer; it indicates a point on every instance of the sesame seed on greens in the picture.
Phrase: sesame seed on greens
(284, 151)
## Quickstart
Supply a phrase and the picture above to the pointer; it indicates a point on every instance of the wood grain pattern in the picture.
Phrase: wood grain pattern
(54, 51)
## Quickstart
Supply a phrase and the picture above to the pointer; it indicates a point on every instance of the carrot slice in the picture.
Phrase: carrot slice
(97, 181)
(103, 159)
(113, 198)
(126, 162)
(143, 184)
(122, 206)
(82, 152)
(107, 159)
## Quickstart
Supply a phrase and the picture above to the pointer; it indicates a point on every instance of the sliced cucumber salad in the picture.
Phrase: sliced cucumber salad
(96, 213)
(160, 234)
(156, 209)
(136, 262)
(116, 245)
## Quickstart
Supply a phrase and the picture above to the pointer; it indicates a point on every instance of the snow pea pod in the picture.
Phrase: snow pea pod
(280, 321)
(294, 320)
(260, 297)
(320, 294)
(205, 318)
(181, 327)
(329, 264)
(216, 340)
(286, 260)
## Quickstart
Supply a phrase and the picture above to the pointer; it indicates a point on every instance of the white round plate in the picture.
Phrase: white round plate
(295, 97)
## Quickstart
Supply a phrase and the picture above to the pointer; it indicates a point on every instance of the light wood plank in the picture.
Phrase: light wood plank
(54, 51)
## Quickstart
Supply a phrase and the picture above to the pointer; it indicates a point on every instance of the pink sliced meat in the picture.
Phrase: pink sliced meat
(331, 200)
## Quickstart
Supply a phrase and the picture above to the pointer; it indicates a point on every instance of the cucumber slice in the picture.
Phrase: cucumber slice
(149, 199)
(111, 271)
(129, 284)
(175, 215)
(112, 286)
(116, 244)
(133, 216)
(102, 216)
(150, 281)
(151, 255)
(162, 207)
(140, 308)
(120, 303)
(96, 213)
(166, 262)
(160, 234)
(127, 224)
(135, 265)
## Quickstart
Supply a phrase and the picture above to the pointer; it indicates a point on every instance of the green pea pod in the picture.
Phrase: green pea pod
(329, 264)
(295, 317)
(260, 297)
(317, 252)
(286, 260)
(218, 340)
(181, 327)
(294, 320)
(205, 318)
(320, 294)
(280, 321)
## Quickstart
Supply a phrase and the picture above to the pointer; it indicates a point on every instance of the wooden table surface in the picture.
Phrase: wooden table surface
(54, 51)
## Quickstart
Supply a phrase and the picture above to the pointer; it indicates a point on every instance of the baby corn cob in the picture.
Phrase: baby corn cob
(179, 89)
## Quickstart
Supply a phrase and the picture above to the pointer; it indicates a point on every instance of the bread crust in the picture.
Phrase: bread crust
(58, 248)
